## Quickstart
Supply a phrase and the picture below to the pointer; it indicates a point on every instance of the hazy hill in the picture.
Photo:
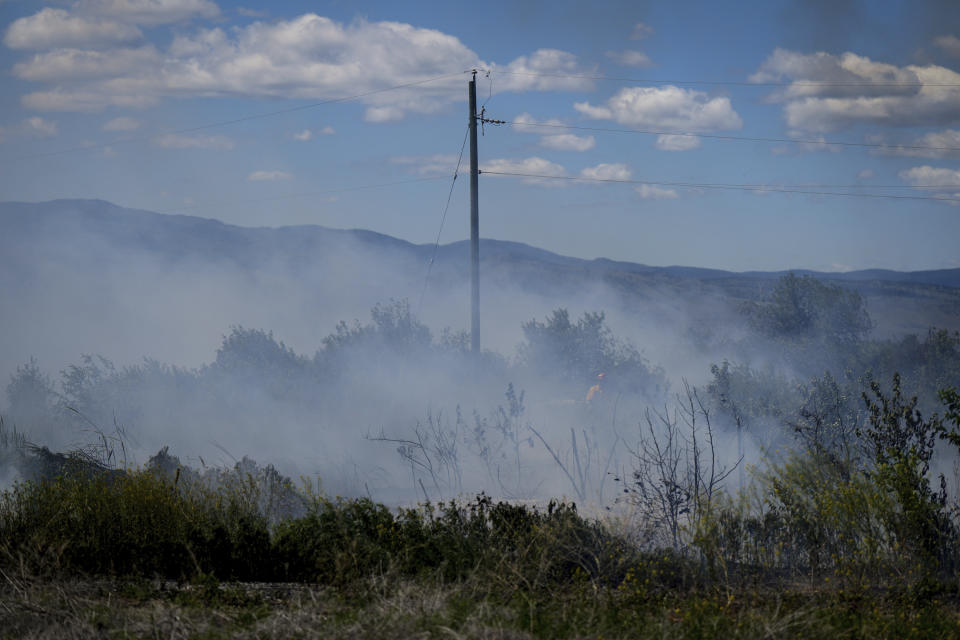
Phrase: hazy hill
(97, 237)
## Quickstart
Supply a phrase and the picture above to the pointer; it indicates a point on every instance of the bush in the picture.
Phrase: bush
(130, 524)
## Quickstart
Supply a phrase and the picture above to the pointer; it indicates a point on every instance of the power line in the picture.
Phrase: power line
(734, 83)
(729, 137)
(223, 123)
(725, 186)
(443, 219)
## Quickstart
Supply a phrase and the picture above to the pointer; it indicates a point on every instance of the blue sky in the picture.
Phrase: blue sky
(106, 99)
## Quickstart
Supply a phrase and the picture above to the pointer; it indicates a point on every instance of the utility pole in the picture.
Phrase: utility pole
(474, 224)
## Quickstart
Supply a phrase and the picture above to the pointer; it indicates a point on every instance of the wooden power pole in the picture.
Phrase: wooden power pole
(474, 224)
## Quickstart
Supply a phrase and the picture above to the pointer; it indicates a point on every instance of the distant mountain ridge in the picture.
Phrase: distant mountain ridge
(94, 236)
(179, 234)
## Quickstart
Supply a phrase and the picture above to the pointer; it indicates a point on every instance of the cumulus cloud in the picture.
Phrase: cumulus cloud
(630, 58)
(78, 64)
(524, 123)
(666, 107)
(865, 174)
(949, 45)
(641, 31)
(567, 142)
(268, 176)
(438, 164)
(940, 144)
(931, 177)
(150, 12)
(39, 128)
(544, 70)
(653, 192)
(308, 134)
(534, 165)
(178, 141)
(943, 183)
(63, 100)
(818, 144)
(828, 92)
(677, 143)
(389, 113)
(51, 28)
(123, 123)
(604, 171)
(307, 57)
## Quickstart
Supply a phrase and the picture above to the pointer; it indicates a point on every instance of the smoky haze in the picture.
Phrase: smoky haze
(322, 352)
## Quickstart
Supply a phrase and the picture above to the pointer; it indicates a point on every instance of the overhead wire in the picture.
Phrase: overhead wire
(714, 136)
(735, 83)
(443, 218)
(724, 186)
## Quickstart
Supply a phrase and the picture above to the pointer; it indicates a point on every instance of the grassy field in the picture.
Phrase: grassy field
(142, 555)
(379, 607)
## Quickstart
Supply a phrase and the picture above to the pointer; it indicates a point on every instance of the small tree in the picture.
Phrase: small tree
(902, 444)
(31, 397)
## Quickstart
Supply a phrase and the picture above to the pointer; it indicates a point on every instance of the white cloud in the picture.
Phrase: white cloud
(865, 174)
(534, 165)
(667, 107)
(60, 100)
(438, 164)
(567, 142)
(949, 44)
(677, 143)
(630, 58)
(39, 128)
(653, 192)
(942, 183)
(556, 141)
(523, 123)
(641, 31)
(818, 144)
(388, 113)
(607, 172)
(79, 64)
(308, 134)
(178, 141)
(307, 57)
(150, 12)
(931, 176)
(943, 143)
(828, 92)
(268, 176)
(51, 28)
(123, 123)
(533, 72)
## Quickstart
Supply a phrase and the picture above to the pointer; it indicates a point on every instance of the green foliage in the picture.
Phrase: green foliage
(804, 308)
(135, 524)
(575, 352)
(255, 351)
(394, 328)
(345, 540)
(902, 445)
(31, 396)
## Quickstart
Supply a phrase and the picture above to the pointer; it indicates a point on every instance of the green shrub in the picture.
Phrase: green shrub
(130, 524)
